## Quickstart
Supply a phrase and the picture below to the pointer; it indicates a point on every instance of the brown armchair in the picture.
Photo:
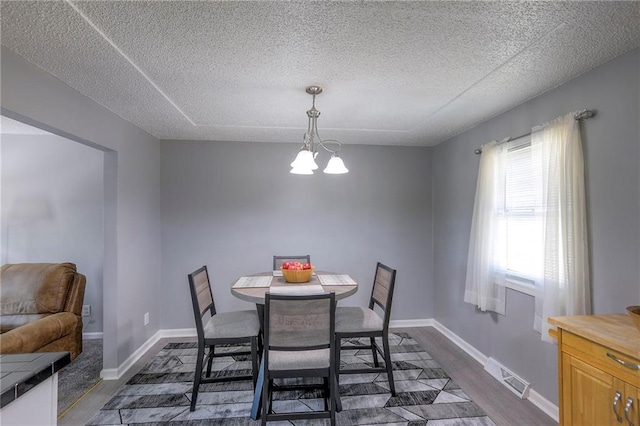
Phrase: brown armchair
(40, 308)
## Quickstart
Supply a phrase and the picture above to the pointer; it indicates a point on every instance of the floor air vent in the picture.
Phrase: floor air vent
(514, 383)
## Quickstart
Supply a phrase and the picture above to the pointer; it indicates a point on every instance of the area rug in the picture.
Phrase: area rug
(425, 395)
(77, 378)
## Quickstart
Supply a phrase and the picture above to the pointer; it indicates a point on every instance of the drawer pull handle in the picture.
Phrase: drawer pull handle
(626, 410)
(616, 399)
(623, 362)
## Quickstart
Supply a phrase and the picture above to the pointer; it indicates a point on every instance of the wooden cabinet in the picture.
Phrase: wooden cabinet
(586, 388)
(633, 399)
(598, 370)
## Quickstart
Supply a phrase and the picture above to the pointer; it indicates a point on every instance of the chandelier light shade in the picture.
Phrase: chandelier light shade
(335, 166)
(304, 160)
(305, 163)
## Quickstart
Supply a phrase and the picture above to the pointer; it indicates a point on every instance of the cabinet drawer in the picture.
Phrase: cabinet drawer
(602, 357)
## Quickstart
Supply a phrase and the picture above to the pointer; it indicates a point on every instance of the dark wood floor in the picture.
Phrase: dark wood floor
(502, 406)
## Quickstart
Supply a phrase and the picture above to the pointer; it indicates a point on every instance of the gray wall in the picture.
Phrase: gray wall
(234, 219)
(612, 149)
(131, 193)
(68, 177)
(232, 206)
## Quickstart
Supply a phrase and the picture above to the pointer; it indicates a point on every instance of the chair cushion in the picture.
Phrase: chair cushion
(299, 360)
(356, 319)
(232, 324)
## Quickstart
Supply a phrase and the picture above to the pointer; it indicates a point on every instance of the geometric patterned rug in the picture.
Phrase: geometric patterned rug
(425, 395)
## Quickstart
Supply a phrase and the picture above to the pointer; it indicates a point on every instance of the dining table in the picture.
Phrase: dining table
(253, 288)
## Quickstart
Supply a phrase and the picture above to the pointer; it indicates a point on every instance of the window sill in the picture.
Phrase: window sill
(521, 287)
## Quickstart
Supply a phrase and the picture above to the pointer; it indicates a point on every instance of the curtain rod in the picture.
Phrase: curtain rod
(579, 115)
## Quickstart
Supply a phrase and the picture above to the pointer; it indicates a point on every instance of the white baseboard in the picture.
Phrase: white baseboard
(535, 398)
(546, 406)
(178, 332)
(92, 336)
(461, 343)
(116, 373)
(411, 323)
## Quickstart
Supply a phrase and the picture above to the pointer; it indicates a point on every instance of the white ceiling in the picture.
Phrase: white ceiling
(394, 73)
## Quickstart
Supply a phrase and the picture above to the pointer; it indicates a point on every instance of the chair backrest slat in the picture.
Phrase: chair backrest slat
(201, 297)
(203, 290)
(299, 322)
(279, 260)
(382, 292)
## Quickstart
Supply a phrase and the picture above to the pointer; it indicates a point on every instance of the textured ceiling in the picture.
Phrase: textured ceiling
(394, 73)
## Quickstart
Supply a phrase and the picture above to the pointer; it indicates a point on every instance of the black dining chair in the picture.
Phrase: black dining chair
(279, 260)
(358, 322)
(226, 328)
(299, 343)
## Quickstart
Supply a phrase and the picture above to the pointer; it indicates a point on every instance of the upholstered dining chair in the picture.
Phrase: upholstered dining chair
(279, 260)
(226, 328)
(358, 322)
(299, 344)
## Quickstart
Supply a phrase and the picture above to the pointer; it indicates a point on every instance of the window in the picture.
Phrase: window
(529, 224)
(522, 215)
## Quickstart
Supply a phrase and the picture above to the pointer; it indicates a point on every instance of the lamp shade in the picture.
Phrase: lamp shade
(300, 171)
(304, 160)
(335, 166)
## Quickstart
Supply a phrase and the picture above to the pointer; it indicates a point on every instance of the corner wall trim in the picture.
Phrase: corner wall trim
(116, 373)
(92, 336)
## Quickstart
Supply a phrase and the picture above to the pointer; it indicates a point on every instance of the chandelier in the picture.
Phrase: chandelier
(305, 162)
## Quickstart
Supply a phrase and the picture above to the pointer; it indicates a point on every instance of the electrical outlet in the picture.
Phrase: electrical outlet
(146, 318)
(86, 310)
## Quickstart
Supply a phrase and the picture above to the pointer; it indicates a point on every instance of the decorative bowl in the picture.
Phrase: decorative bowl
(297, 276)
(634, 313)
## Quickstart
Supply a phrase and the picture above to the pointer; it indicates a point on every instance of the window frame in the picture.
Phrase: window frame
(514, 280)
(520, 284)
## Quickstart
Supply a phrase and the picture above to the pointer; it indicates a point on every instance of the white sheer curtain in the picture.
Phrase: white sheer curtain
(484, 285)
(559, 264)
(564, 288)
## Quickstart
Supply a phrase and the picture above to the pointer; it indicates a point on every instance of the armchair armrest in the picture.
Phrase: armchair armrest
(75, 298)
(38, 334)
